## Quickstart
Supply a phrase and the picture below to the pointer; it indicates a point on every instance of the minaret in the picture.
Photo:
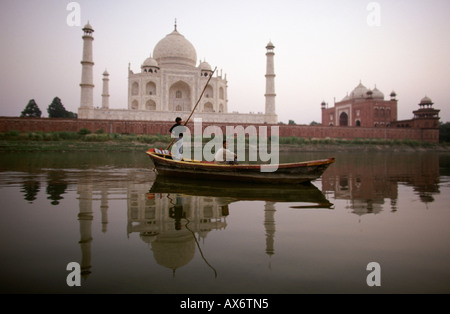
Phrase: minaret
(105, 94)
(85, 217)
(104, 210)
(87, 77)
(270, 85)
(269, 225)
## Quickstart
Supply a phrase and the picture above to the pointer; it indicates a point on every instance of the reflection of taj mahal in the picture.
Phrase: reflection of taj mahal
(169, 84)
(172, 225)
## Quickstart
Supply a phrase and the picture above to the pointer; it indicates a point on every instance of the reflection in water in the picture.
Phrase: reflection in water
(30, 188)
(269, 226)
(367, 182)
(56, 186)
(205, 205)
(229, 192)
(173, 217)
(85, 217)
(172, 223)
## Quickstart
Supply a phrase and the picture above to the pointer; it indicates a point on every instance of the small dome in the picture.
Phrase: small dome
(270, 45)
(175, 49)
(377, 94)
(426, 101)
(150, 62)
(347, 97)
(105, 73)
(393, 94)
(205, 66)
(88, 28)
(359, 92)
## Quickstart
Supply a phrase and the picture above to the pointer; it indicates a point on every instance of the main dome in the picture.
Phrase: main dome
(175, 49)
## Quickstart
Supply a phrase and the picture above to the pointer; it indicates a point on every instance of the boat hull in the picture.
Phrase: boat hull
(292, 173)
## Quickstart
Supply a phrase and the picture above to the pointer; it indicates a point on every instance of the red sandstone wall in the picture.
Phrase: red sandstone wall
(151, 127)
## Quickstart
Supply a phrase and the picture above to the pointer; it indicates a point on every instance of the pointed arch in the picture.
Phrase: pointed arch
(208, 107)
(150, 105)
(209, 92)
(135, 89)
(343, 119)
(150, 88)
(180, 97)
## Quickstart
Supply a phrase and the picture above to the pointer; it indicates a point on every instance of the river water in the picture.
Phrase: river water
(131, 232)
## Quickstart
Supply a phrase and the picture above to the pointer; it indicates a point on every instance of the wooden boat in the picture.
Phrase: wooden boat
(290, 173)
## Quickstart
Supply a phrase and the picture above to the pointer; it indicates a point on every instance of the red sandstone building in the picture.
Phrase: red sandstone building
(368, 108)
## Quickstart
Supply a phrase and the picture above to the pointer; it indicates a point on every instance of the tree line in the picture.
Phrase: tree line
(55, 110)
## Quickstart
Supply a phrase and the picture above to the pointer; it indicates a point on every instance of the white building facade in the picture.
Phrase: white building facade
(170, 84)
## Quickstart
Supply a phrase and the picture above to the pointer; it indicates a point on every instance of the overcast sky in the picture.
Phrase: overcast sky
(323, 49)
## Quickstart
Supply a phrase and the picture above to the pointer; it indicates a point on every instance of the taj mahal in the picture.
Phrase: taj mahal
(171, 84)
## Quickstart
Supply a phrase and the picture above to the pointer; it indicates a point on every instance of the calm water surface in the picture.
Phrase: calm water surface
(133, 233)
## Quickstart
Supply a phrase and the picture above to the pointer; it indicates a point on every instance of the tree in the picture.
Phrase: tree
(444, 132)
(31, 110)
(291, 122)
(56, 110)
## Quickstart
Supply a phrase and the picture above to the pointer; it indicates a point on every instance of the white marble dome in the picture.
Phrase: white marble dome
(150, 62)
(175, 49)
(205, 66)
(360, 91)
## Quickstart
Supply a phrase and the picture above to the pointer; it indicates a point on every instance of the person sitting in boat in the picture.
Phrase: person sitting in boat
(225, 156)
(176, 132)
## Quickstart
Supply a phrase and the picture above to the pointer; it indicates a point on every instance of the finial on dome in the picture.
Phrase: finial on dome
(175, 24)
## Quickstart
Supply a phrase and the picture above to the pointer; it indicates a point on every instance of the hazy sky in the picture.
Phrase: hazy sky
(322, 50)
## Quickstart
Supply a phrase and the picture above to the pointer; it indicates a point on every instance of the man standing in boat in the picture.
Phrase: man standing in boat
(176, 132)
(225, 156)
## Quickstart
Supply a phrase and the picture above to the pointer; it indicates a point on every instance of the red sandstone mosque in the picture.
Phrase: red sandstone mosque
(364, 107)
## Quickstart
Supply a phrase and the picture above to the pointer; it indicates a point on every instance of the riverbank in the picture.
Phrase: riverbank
(135, 146)
(84, 140)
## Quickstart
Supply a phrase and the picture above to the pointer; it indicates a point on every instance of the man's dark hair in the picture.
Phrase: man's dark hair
(178, 119)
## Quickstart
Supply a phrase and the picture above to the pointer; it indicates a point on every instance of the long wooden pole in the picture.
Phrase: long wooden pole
(198, 101)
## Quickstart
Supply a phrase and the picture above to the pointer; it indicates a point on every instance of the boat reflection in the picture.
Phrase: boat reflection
(307, 194)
